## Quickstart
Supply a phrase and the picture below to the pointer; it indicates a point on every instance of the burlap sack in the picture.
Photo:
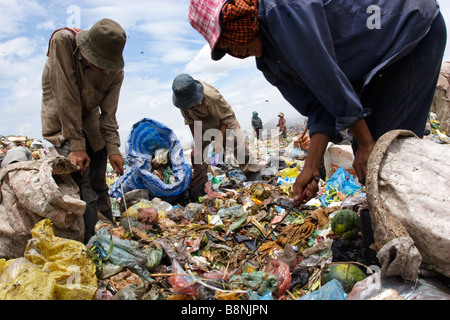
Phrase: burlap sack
(408, 186)
(35, 190)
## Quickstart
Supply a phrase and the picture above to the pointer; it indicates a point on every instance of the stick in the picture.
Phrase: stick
(303, 133)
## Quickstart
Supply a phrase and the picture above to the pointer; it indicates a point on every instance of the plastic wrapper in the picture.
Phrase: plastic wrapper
(53, 268)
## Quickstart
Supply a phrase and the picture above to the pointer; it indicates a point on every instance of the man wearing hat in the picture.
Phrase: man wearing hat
(208, 114)
(368, 65)
(81, 84)
(282, 124)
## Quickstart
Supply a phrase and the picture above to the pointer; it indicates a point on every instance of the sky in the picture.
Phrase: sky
(161, 44)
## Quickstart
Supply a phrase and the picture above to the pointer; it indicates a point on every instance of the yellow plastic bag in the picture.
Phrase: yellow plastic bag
(289, 173)
(53, 268)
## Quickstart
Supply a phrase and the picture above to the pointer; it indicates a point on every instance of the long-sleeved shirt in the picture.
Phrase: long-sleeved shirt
(321, 54)
(77, 100)
(213, 111)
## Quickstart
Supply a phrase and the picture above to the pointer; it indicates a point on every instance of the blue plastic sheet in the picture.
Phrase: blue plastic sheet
(145, 138)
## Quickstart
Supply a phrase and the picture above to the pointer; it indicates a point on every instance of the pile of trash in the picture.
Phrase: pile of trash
(29, 148)
(242, 240)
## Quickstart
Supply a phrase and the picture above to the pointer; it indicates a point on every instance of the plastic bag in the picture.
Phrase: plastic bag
(425, 289)
(297, 153)
(281, 270)
(182, 283)
(338, 156)
(146, 137)
(124, 253)
(192, 209)
(31, 191)
(254, 296)
(53, 268)
(289, 173)
(154, 254)
(341, 181)
(259, 281)
(332, 290)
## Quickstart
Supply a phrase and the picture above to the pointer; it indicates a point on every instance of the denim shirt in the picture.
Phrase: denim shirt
(321, 54)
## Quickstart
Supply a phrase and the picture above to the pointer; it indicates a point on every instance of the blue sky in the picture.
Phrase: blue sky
(161, 44)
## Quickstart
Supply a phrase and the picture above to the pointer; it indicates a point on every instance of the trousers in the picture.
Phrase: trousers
(93, 187)
(400, 96)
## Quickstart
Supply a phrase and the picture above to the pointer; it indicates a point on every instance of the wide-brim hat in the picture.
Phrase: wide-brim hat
(204, 16)
(187, 92)
(281, 114)
(103, 45)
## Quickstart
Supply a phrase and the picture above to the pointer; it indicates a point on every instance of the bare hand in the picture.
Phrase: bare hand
(117, 162)
(306, 185)
(361, 160)
(81, 159)
(303, 143)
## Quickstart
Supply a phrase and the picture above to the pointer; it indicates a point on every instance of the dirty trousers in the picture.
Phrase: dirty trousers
(93, 187)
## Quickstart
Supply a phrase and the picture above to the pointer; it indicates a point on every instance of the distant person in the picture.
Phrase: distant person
(257, 124)
(282, 125)
(441, 101)
(203, 108)
(81, 86)
(367, 65)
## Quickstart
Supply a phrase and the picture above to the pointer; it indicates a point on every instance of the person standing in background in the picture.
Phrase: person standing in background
(256, 124)
(282, 125)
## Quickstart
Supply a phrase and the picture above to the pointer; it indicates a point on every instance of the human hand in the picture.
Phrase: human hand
(303, 142)
(306, 185)
(361, 159)
(117, 162)
(81, 159)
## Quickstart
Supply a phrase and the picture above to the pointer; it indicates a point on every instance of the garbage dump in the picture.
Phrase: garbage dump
(244, 240)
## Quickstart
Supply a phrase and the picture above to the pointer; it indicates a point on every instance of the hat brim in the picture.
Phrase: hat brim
(192, 101)
(99, 61)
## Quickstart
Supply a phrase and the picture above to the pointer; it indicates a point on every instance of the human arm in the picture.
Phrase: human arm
(108, 121)
(62, 77)
(366, 144)
(310, 169)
